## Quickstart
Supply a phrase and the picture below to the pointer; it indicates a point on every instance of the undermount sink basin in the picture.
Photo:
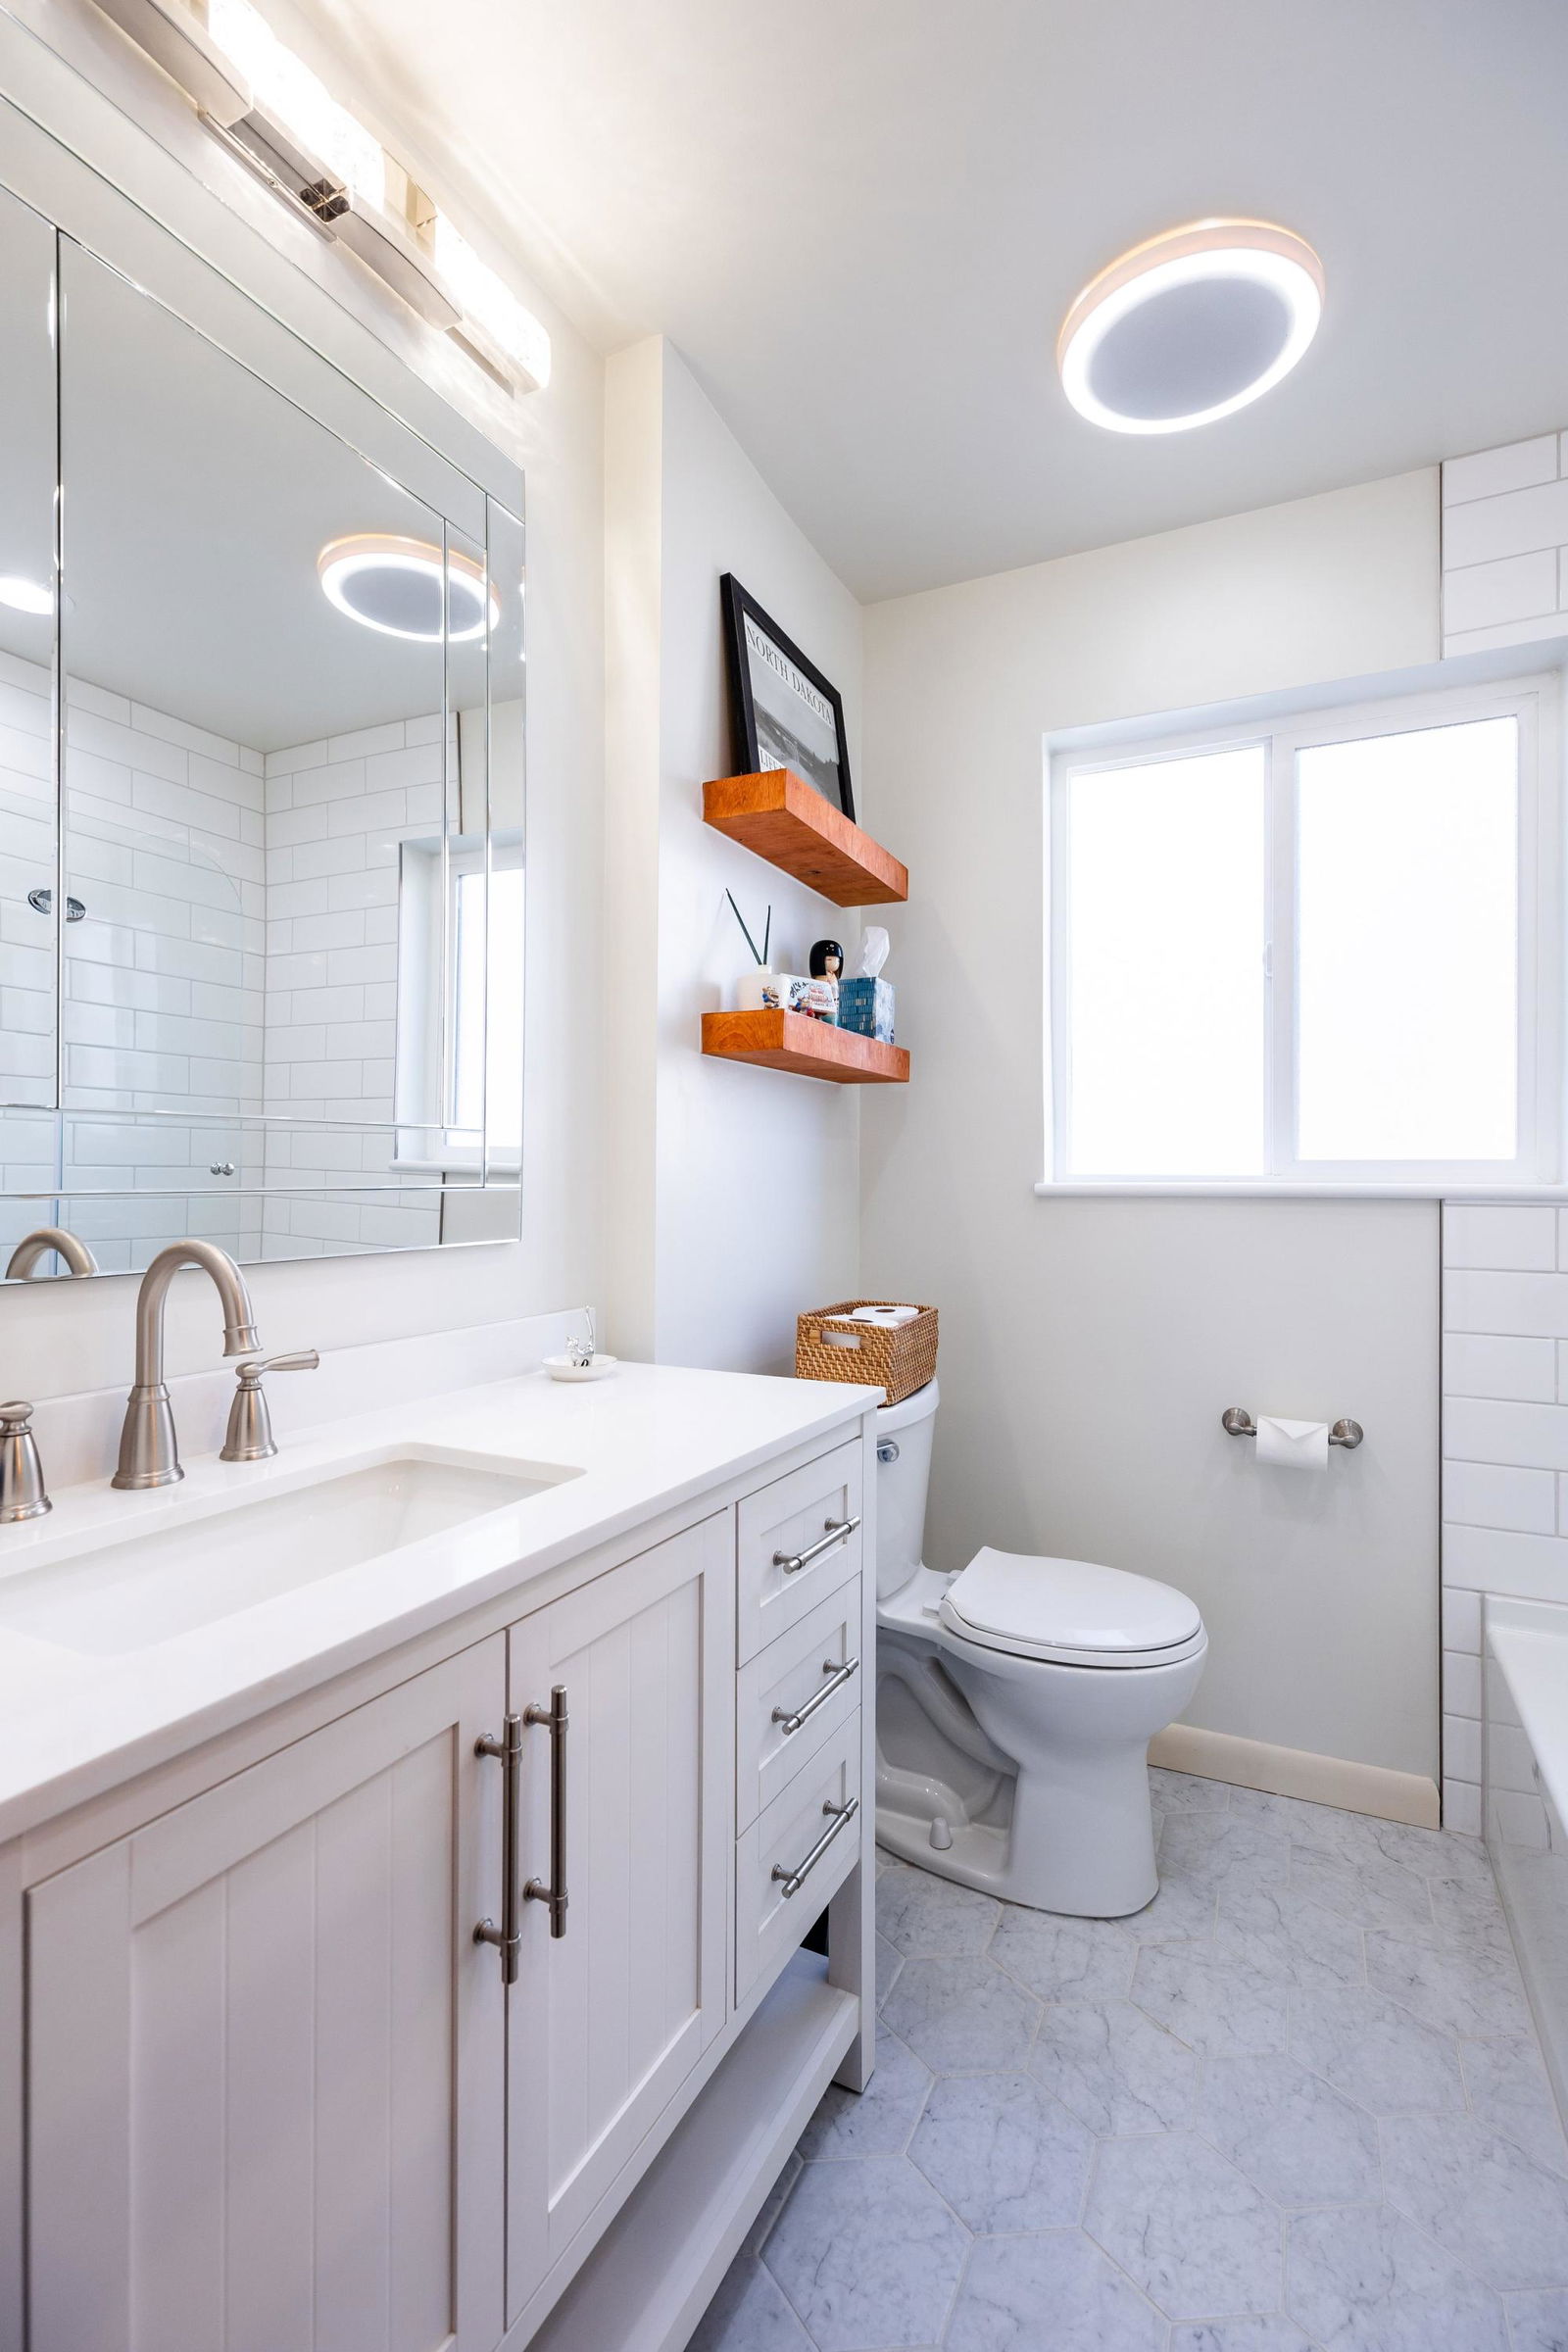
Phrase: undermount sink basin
(136, 1590)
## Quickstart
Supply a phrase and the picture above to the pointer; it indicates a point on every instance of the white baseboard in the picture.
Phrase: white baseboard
(1294, 1772)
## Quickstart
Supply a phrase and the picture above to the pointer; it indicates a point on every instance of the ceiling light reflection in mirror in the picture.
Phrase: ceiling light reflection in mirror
(23, 595)
(393, 585)
(1191, 326)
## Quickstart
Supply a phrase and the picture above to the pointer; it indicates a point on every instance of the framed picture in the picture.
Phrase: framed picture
(786, 714)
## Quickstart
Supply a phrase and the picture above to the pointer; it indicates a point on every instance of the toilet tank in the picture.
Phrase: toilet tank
(904, 1433)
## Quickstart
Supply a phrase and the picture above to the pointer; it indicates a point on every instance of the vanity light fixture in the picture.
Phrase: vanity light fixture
(280, 120)
(393, 585)
(1189, 326)
(25, 595)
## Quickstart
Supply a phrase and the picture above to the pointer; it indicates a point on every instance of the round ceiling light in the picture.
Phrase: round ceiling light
(25, 595)
(394, 585)
(1189, 326)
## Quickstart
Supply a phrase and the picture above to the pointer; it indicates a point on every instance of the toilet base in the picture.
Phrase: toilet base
(1065, 1866)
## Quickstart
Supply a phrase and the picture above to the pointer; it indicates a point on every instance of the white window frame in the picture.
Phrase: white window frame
(1534, 702)
(428, 871)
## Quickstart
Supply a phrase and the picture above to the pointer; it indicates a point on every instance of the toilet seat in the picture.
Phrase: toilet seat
(1068, 1613)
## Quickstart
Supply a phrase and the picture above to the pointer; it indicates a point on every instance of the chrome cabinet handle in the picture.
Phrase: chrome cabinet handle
(841, 1675)
(508, 1938)
(794, 1880)
(555, 1718)
(838, 1532)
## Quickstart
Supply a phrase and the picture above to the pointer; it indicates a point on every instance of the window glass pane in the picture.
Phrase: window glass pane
(1164, 957)
(1407, 945)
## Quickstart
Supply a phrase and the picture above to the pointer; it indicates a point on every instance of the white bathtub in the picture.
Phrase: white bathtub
(1525, 1802)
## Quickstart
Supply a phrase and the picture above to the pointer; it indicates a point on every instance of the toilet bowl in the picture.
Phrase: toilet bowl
(1015, 1704)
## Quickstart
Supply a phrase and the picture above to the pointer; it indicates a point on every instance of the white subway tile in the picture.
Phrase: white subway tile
(1509, 524)
(1476, 1365)
(82, 695)
(339, 780)
(1525, 1306)
(1517, 465)
(1481, 596)
(1495, 1560)
(1510, 1759)
(1515, 1240)
(420, 763)
(1484, 1429)
(288, 826)
(345, 965)
(286, 898)
(345, 856)
(295, 756)
(367, 811)
(1480, 1495)
(1462, 1808)
(372, 886)
(1504, 633)
(1521, 1819)
(1461, 1683)
(1461, 1747)
(344, 929)
(388, 738)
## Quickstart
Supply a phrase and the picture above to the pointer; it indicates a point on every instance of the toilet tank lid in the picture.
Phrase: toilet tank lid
(1071, 1604)
(917, 1408)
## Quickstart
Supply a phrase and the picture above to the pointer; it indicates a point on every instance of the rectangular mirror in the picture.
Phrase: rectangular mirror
(267, 760)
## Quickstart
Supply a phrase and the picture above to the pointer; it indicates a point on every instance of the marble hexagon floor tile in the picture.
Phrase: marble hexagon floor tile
(1376, 2053)
(875, 2122)
(1458, 1985)
(1215, 2001)
(1114, 2068)
(1500, 2213)
(1186, 2226)
(868, 2255)
(1005, 2154)
(1244, 2082)
(1061, 1959)
(1294, 2138)
(962, 2016)
(1055, 2290)
(922, 1914)
(1365, 2280)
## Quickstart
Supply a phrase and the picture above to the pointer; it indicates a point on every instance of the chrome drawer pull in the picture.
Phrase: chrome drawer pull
(536, 1891)
(794, 1880)
(508, 1938)
(838, 1532)
(841, 1675)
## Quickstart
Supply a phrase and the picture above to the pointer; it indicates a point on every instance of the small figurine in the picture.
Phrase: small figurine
(826, 960)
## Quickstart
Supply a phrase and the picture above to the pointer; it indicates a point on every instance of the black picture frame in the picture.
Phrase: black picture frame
(763, 735)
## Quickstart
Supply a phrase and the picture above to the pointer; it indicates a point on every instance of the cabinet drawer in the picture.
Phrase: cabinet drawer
(800, 1678)
(779, 1888)
(796, 1519)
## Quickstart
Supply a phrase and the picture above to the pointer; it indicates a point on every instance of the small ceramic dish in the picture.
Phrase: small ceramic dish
(598, 1367)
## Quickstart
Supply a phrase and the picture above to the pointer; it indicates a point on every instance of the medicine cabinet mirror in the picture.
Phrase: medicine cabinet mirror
(261, 785)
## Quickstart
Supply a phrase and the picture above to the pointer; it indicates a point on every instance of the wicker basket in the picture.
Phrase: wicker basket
(900, 1359)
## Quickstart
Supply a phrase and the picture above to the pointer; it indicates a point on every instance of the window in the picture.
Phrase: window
(1313, 951)
(459, 1038)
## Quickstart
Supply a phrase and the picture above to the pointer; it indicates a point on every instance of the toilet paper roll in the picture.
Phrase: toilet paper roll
(1293, 1445)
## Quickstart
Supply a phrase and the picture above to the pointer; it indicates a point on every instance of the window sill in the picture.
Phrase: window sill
(1213, 1188)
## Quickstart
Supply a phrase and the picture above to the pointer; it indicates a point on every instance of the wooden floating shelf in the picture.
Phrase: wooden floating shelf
(793, 1041)
(779, 816)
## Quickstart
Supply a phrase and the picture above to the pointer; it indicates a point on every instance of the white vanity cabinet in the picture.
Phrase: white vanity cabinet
(271, 2093)
(264, 2059)
(609, 2017)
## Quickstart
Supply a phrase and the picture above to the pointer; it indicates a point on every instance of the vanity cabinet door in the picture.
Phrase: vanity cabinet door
(265, 2056)
(610, 2018)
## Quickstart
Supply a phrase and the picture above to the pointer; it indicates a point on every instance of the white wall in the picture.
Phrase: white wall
(1088, 1346)
(64, 1337)
(755, 1173)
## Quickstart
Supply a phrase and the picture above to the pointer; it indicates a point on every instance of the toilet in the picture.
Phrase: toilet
(1015, 1704)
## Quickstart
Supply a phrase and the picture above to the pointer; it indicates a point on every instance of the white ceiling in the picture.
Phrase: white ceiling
(862, 219)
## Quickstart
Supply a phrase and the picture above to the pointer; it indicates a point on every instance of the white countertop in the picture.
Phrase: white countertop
(645, 1441)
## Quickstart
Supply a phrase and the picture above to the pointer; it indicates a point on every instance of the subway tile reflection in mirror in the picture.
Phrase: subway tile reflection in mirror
(285, 813)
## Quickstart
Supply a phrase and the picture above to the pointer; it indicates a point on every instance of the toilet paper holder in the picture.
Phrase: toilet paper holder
(1237, 1422)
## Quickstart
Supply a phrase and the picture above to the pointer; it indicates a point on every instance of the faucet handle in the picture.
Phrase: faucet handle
(249, 1374)
(21, 1487)
(249, 1436)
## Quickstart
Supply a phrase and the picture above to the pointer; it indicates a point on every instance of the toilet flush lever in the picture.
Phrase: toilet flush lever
(837, 1531)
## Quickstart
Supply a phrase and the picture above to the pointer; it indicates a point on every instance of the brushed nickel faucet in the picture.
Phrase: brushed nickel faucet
(29, 1252)
(149, 1456)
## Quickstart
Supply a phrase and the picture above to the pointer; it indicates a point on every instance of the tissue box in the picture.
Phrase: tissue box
(867, 1007)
